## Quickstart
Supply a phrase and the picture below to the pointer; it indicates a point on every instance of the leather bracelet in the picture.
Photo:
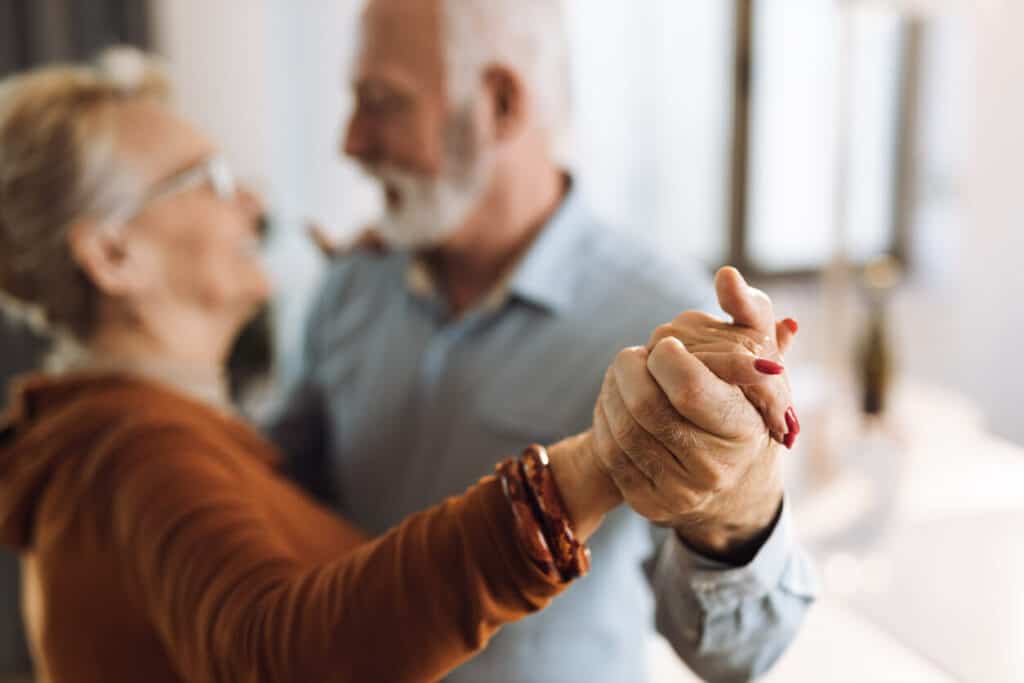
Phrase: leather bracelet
(528, 528)
(572, 558)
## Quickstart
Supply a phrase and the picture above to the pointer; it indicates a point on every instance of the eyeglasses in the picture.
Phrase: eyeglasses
(213, 170)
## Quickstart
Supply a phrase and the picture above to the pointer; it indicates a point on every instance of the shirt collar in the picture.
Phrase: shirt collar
(544, 276)
(547, 274)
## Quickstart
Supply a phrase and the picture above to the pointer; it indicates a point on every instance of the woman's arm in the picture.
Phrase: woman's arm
(233, 603)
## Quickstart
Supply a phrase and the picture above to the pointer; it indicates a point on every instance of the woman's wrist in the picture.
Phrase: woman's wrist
(587, 491)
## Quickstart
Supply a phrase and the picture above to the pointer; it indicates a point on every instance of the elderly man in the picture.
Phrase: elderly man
(486, 326)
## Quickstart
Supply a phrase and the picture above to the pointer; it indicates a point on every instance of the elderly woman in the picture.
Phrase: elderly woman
(158, 542)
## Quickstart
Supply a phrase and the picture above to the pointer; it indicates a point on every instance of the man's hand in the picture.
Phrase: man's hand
(369, 240)
(681, 440)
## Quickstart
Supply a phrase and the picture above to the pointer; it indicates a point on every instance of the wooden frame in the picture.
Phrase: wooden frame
(905, 120)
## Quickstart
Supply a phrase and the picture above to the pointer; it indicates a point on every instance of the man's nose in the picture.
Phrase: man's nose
(359, 139)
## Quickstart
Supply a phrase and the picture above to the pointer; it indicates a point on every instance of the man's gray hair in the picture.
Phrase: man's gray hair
(528, 36)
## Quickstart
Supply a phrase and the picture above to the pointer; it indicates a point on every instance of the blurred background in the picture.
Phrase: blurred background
(858, 160)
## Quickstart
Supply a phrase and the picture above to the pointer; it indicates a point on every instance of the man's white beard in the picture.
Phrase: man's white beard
(431, 210)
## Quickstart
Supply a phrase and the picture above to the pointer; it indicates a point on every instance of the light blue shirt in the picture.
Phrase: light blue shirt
(402, 405)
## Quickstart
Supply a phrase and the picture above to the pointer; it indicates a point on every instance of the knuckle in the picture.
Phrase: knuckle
(646, 407)
(685, 441)
(624, 356)
(744, 341)
(690, 393)
(746, 344)
(670, 430)
(687, 499)
(691, 319)
(637, 404)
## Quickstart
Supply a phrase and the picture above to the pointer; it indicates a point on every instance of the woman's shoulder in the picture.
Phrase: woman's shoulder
(116, 413)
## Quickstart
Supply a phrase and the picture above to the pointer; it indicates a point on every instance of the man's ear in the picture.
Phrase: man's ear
(509, 103)
(100, 253)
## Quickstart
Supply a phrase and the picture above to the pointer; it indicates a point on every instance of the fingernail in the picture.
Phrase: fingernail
(792, 421)
(791, 325)
(789, 440)
(768, 367)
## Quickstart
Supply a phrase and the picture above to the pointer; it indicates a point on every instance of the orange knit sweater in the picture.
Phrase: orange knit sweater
(159, 545)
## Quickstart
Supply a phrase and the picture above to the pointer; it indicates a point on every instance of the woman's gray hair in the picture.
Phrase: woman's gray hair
(58, 165)
(528, 36)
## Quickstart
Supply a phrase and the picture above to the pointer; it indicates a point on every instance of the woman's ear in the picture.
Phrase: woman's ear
(100, 253)
(507, 95)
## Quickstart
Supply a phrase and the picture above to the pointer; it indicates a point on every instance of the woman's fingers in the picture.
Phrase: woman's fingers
(740, 367)
(768, 392)
(785, 331)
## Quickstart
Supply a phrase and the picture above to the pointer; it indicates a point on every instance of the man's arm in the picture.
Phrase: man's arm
(732, 623)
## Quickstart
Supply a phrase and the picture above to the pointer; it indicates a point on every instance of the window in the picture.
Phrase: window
(825, 133)
(753, 131)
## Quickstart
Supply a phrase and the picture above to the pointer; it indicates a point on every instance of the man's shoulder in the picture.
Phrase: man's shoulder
(354, 287)
(631, 272)
(359, 275)
(361, 269)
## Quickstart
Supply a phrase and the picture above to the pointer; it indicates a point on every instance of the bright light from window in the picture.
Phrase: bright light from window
(795, 155)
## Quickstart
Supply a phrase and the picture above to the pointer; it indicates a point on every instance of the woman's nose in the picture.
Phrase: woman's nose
(252, 204)
(250, 201)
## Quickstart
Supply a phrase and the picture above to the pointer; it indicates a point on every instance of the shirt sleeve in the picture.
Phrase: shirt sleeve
(732, 624)
(232, 602)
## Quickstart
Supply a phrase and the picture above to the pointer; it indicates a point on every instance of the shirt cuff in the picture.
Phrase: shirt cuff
(720, 587)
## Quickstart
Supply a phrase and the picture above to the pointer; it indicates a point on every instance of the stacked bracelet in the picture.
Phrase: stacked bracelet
(542, 521)
(528, 529)
(572, 558)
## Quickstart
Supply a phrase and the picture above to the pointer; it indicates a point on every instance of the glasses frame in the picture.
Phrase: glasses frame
(214, 170)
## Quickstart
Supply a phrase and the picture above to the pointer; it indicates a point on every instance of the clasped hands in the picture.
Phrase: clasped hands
(687, 430)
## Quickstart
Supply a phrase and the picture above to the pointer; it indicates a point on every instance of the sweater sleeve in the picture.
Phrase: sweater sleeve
(232, 603)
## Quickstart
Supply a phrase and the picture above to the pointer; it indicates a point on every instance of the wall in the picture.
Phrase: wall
(991, 298)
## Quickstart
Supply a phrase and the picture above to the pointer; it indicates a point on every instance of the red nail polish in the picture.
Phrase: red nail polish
(792, 421)
(768, 367)
(789, 440)
(792, 325)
